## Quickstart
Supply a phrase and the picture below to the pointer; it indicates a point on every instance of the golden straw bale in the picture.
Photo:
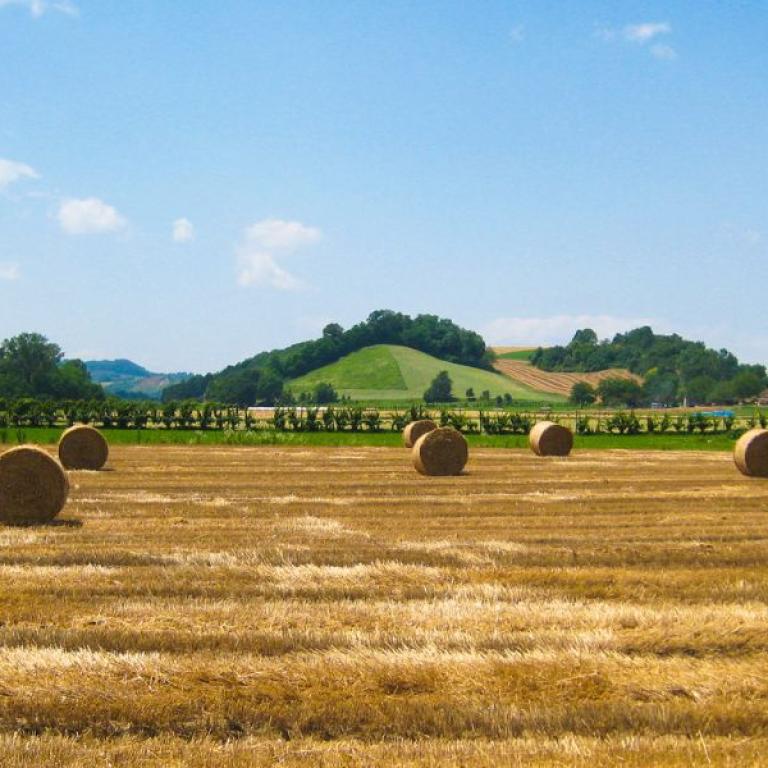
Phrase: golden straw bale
(33, 486)
(441, 451)
(550, 439)
(83, 447)
(751, 453)
(415, 430)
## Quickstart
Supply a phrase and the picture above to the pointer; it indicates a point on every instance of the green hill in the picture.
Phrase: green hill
(392, 372)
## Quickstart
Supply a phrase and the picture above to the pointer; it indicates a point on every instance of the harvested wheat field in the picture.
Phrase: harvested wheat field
(553, 381)
(331, 607)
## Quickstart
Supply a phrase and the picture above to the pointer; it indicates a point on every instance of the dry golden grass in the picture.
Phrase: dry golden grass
(556, 382)
(258, 606)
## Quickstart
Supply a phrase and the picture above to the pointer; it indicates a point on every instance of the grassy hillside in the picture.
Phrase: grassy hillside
(391, 372)
(514, 353)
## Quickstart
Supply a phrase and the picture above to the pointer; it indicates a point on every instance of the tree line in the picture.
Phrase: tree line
(260, 380)
(674, 370)
(32, 366)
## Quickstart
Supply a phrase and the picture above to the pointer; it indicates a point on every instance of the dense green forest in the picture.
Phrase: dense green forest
(32, 366)
(673, 368)
(260, 379)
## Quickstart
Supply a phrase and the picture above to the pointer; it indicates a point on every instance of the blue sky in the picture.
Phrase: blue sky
(186, 184)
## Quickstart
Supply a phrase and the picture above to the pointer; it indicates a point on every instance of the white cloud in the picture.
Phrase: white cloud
(260, 268)
(11, 171)
(89, 216)
(39, 7)
(558, 329)
(9, 271)
(256, 262)
(643, 33)
(517, 33)
(183, 231)
(663, 52)
(277, 234)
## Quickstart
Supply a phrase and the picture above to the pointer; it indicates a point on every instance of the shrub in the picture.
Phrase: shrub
(582, 393)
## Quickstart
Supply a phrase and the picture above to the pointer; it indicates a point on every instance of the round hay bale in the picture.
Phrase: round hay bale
(33, 486)
(441, 451)
(83, 447)
(751, 453)
(415, 430)
(550, 439)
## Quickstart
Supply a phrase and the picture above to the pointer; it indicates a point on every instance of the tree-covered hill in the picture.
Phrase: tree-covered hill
(673, 368)
(260, 379)
(387, 372)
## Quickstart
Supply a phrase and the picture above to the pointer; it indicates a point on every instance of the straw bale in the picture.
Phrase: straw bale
(441, 451)
(415, 430)
(33, 486)
(83, 447)
(751, 453)
(550, 439)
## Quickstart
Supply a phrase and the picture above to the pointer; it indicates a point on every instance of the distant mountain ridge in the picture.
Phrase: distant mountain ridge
(124, 378)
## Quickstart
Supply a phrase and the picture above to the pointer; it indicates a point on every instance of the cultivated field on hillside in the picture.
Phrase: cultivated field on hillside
(553, 381)
(388, 372)
(216, 606)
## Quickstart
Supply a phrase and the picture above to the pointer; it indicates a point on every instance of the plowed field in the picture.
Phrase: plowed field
(231, 606)
(555, 382)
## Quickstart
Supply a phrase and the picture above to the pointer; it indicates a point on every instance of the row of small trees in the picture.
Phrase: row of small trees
(190, 415)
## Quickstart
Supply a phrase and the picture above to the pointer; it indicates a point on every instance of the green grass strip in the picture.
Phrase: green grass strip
(656, 442)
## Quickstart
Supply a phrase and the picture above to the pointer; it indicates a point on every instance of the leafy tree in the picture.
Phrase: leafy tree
(660, 387)
(333, 331)
(440, 390)
(194, 388)
(325, 393)
(32, 366)
(585, 336)
(470, 394)
(71, 380)
(28, 362)
(747, 384)
(618, 391)
(699, 389)
(724, 393)
(582, 393)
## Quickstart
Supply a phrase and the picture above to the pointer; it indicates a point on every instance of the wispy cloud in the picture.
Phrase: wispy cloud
(556, 329)
(183, 231)
(38, 8)
(642, 34)
(256, 255)
(89, 216)
(11, 171)
(9, 271)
